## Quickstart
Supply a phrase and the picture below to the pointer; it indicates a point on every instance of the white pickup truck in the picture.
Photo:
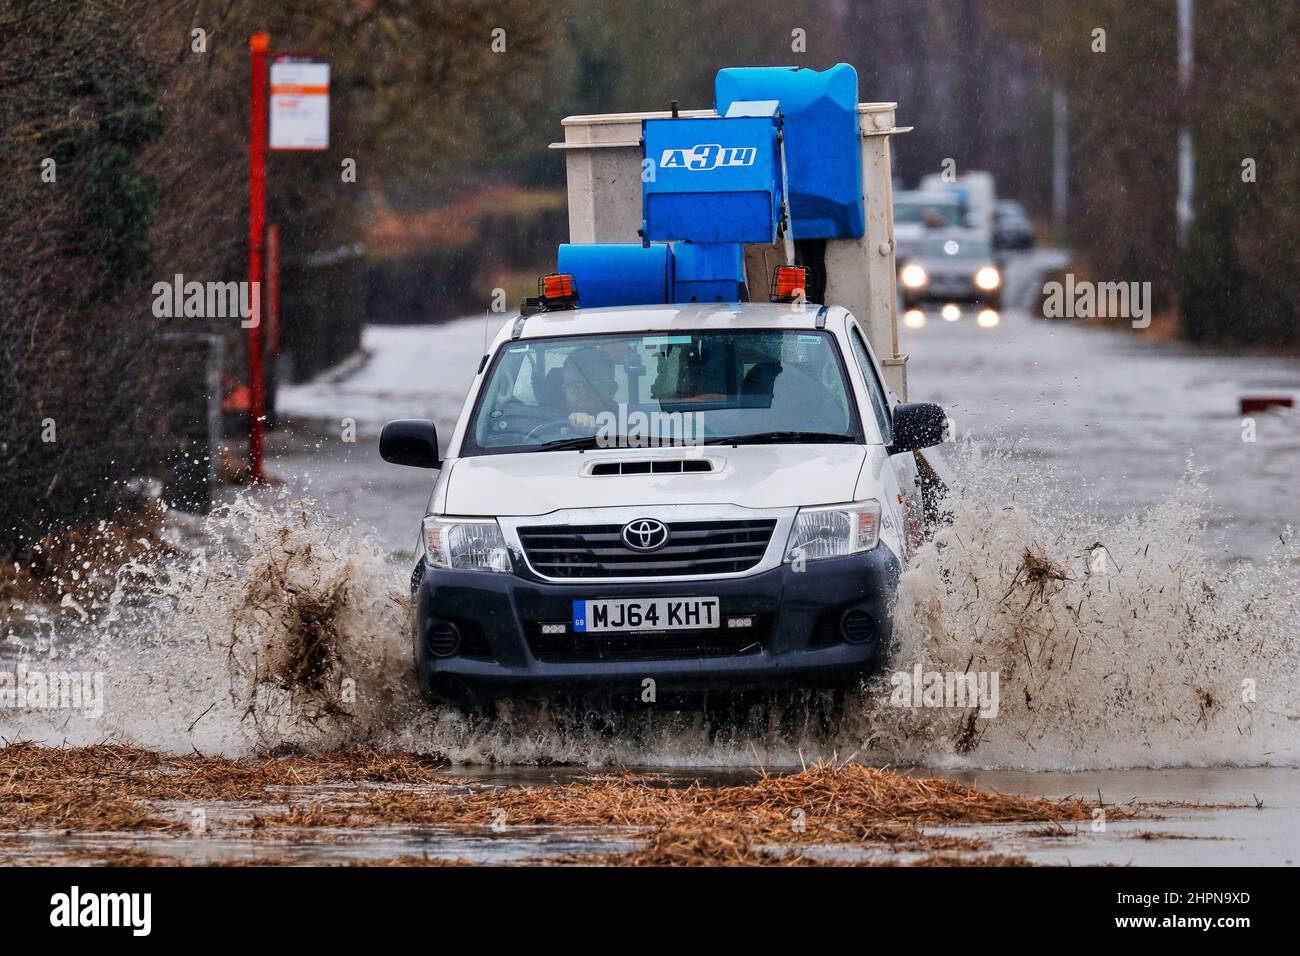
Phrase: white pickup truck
(658, 475)
(702, 496)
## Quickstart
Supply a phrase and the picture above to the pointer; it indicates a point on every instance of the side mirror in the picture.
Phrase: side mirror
(918, 425)
(410, 441)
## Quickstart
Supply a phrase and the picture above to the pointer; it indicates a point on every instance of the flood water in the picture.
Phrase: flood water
(1118, 416)
(1098, 420)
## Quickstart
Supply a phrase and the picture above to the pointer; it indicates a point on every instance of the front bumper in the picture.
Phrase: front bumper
(825, 626)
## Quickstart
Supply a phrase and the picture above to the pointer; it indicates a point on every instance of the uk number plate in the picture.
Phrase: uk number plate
(646, 614)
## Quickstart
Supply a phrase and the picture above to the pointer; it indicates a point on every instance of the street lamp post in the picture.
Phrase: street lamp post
(1186, 155)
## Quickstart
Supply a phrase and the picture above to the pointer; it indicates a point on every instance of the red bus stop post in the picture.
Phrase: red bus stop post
(257, 46)
(272, 320)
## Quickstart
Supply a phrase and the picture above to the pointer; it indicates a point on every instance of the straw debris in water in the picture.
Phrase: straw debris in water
(766, 821)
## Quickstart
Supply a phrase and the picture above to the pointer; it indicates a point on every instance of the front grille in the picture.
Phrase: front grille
(665, 645)
(694, 547)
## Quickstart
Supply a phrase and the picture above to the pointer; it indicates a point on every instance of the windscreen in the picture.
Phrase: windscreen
(650, 389)
(909, 211)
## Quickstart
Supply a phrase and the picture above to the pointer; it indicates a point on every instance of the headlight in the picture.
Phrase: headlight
(988, 278)
(913, 276)
(465, 544)
(834, 532)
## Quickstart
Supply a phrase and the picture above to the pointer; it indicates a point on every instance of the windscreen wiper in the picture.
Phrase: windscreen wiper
(783, 438)
(614, 442)
(566, 444)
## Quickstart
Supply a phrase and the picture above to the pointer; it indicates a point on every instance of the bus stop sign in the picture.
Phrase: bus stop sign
(300, 103)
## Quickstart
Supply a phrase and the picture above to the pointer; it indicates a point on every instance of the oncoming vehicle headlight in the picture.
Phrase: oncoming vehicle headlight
(465, 544)
(913, 276)
(988, 278)
(834, 532)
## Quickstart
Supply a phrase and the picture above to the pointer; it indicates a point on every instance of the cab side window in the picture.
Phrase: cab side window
(879, 404)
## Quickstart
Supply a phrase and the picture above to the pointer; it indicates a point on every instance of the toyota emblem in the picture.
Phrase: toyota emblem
(645, 534)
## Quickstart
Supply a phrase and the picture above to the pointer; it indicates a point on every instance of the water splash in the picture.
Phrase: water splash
(1117, 643)
(280, 629)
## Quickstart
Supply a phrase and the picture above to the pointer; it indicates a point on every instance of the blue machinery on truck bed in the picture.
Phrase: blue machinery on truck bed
(705, 205)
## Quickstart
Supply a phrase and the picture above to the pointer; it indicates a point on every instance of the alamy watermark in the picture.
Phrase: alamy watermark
(74, 908)
(208, 300)
(638, 429)
(22, 688)
(1082, 299)
(960, 690)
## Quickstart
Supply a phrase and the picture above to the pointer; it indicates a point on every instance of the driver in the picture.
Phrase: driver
(589, 386)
